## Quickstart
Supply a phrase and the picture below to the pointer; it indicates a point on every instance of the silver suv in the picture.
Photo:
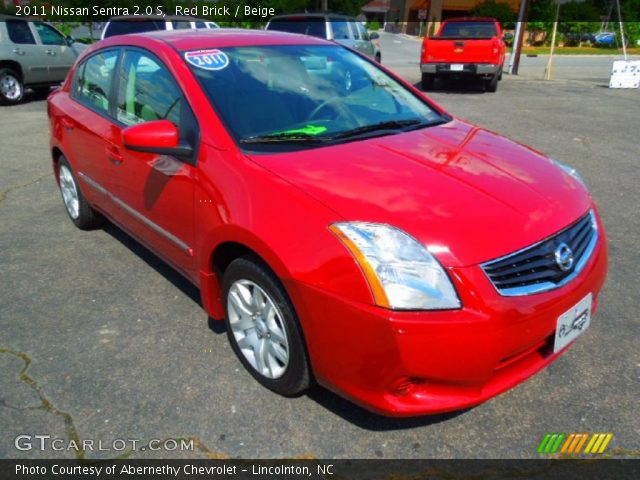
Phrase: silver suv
(342, 29)
(32, 54)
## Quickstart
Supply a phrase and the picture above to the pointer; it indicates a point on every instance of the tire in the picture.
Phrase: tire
(428, 80)
(80, 212)
(491, 85)
(272, 327)
(11, 87)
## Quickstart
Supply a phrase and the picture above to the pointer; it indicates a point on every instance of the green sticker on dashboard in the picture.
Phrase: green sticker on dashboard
(306, 130)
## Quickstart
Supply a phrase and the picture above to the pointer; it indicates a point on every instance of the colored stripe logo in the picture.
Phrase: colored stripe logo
(574, 443)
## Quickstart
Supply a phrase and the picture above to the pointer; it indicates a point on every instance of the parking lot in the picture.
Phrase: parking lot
(100, 340)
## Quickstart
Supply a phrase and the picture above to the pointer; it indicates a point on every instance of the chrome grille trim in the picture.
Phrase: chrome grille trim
(524, 259)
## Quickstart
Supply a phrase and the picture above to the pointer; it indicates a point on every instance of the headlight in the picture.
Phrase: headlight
(571, 171)
(401, 272)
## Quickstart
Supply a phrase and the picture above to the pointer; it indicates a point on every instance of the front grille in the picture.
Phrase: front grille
(545, 265)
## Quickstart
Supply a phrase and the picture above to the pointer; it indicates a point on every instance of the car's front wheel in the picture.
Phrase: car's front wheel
(263, 327)
(82, 215)
(11, 87)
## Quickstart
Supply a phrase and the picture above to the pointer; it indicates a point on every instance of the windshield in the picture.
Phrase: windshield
(304, 95)
(468, 30)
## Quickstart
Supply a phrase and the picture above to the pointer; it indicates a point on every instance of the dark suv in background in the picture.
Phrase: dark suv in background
(331, 26)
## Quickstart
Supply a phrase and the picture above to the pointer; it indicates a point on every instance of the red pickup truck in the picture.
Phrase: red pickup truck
(464, 47)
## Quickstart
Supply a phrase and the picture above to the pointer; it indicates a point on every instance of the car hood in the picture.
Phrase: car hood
(468, 194)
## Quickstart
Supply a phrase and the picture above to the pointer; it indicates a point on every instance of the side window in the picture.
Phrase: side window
(340, 29)
(19, 32)
(364, 34)
(181, 25)
(147, 91)
(354, 29)
(76, 85)
(49, 35)
(201, 25)
(95, 80)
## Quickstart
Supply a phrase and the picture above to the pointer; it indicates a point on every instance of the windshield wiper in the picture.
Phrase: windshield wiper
(382, 126)
(285, 137)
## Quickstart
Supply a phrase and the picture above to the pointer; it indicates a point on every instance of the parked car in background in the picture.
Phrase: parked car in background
(342, 29)
(588, 38)
(464, 47)
(350, 233)
(607, 39)
(141, 23)
(33, 54)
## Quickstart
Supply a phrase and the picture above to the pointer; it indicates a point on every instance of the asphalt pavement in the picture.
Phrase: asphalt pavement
(99, 340)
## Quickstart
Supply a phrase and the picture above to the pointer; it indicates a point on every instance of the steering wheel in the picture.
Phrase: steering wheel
(328, 102)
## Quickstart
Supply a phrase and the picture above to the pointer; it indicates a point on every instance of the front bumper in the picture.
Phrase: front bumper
(414, 363)
(468, 68)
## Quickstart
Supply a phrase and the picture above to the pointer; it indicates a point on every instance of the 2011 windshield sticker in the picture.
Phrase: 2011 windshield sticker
(212, 59)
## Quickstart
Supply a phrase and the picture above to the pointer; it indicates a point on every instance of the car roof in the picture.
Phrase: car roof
(216, 38)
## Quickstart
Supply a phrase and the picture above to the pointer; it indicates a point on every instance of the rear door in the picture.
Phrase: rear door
(27, 52)
(88, 123)
(60, 55)
(154, 193)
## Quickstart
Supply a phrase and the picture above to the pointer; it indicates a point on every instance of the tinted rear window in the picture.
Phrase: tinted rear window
(133, 26)
(468, 30)
(19, 32)
(313, 26)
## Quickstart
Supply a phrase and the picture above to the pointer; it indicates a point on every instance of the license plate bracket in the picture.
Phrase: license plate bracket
(573, 323)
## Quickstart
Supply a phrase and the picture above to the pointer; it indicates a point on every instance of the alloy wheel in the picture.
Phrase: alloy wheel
(10, 87)
(69, 192)
(258, 328)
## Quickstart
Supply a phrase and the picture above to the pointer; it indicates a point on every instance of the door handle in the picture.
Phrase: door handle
(114, 155)
(50, 52)
(17, 51)
(67, 125)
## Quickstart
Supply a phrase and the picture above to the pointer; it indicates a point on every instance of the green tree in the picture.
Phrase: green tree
(493, 9)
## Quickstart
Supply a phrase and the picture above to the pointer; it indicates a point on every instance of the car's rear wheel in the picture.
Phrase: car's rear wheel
(80, 212)
(491, 85)
(263, 327)
(11, 87)
(428, 79)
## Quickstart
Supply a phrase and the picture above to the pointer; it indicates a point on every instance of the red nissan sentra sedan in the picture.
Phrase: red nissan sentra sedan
(348, 229)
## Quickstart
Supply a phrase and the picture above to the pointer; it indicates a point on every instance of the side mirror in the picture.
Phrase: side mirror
(70, 40)
(373, 36)
(159, 136)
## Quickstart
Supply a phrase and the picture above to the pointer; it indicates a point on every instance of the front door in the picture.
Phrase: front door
(155, 192)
